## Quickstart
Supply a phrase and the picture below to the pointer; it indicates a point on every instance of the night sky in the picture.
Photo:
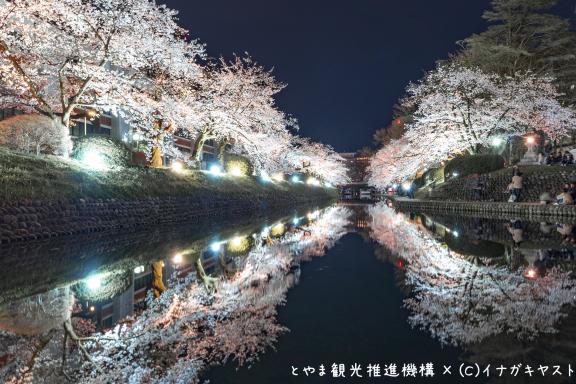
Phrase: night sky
(345, 63)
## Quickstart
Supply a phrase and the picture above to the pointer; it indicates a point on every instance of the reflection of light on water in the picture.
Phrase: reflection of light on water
(265, 232)
(239, 244)
(177, 259)
(531, 273)
(277, 230)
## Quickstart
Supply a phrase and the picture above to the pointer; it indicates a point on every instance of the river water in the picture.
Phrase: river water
(307, 296)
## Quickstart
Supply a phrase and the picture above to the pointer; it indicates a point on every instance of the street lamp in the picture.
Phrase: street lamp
(88, 114)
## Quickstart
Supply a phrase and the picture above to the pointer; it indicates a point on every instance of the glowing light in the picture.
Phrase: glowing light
(328, 185)
(277, 229)
(264, 176)
(312, 181)
(239, 244)
(455, 174)
(407, 186)
(136, 136)
(236, 171)
(265, 232)
(215, 169)
(237, 241)
(92, 308)
(530, 140)
(177, 259)
(312, 215)
(94, 160)
(215, 247)
(139, 269)
(94, 282)
(295, 179)
(531, 273)
(295, 221)
(177, 167)
(278, 176)
(497, 141)
(455, 233)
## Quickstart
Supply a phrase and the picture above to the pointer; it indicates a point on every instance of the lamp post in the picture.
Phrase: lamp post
(88, 114)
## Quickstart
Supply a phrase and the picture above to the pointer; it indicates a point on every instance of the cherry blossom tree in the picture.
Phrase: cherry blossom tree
(56, 56)
(459, 110)
(234, 104)
(317, 159)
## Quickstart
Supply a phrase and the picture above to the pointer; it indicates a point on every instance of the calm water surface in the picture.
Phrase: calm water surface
(351, 285)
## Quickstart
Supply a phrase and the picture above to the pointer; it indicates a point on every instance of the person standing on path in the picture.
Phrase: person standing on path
(515, 187)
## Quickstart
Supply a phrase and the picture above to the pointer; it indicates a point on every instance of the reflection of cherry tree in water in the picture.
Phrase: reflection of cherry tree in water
(550, 349)
(462, 303)
(384, 255)
(189, 327)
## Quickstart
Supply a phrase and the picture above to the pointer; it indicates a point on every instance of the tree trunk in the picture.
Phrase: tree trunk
(198, 146)
(222, 151)
(156, 160)
(157, 282)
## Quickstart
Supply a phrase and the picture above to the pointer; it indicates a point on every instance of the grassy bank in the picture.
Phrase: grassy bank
(24, 177)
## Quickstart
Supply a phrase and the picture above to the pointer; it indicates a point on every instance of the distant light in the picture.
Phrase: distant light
(236, 171)
(277, 229)
(215, 247)
(139, 269)
(531, 273)
(295, 179)
(239, 244)
(177, 259)
(530, 140)
(264, 176)
(312, 181)
(407, 186)
(497, 141)
(94, 282)
(265, 231)
(215, 169)
(312, 215)
(295, 221)
(92, 308)
(237, 241)
(177, 167)
(455, 174)
(93, 159)
(278, 176)
(455, 233)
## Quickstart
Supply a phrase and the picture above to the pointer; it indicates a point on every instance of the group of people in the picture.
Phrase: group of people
(566, 197)
(556, 158)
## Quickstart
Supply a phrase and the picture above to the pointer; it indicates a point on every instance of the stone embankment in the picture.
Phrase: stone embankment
(530, 211)
(536, 180)
(32, 220)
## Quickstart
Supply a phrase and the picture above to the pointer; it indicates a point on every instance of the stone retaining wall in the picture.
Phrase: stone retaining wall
(530, 211)
(31, 220)
(536, 180)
